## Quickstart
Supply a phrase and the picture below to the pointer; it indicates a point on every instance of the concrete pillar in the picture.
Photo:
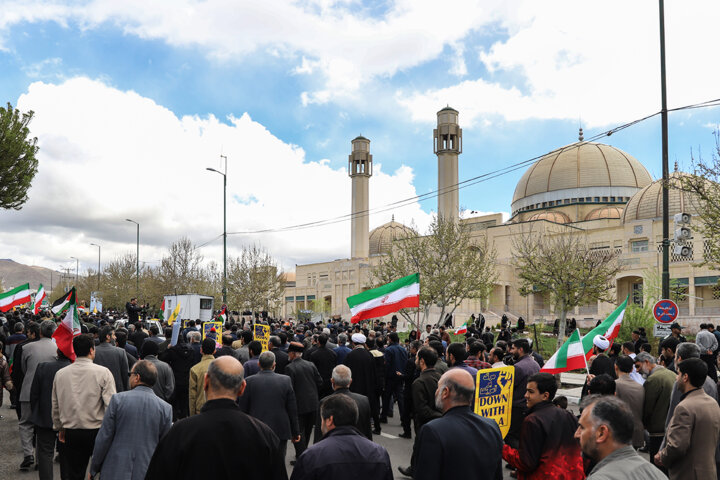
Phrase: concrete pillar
(691, 292)
(447, 139)
(360, 171)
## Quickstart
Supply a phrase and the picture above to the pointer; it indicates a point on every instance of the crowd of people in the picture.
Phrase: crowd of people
(127, 402)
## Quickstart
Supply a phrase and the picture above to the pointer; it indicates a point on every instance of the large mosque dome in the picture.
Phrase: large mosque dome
(579, 174)
(382, 237)
(647, 203)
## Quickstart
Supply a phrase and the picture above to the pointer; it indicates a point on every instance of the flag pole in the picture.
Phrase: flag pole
(584, 354)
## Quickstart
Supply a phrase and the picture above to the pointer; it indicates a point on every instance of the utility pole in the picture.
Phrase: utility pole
(137, 259)
(665, 169)
(98, 270)
(77, 267)
(224, 290)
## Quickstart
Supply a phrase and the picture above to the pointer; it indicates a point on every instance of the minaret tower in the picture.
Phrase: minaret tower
(360, 171)
(447, 139)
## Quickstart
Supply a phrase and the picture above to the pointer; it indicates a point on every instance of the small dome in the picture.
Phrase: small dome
(382, 237)
(647, 203)
(604, 212)
(580, 170)
(550, 216)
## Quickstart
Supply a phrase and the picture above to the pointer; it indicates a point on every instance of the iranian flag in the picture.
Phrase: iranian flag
(609, 328)
(63, 303)
(16, 296)
(39, 297)
(570, 356)
(402, 293)
(462, 329)
(223, 314)
(69, 327)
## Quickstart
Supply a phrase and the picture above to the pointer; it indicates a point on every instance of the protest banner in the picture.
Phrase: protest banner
(206, 331)
(261, 333)
(493, 395)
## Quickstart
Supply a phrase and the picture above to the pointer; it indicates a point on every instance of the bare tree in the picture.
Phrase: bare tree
(561, 266)
(181, 270)
(705, 189)
(118, 281)
(255, 280)
(453, 266)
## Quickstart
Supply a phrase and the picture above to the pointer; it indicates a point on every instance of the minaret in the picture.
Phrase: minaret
(360, 171)
(447, 139)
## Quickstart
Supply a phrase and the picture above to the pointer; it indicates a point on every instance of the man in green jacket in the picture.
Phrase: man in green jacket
(658, 388)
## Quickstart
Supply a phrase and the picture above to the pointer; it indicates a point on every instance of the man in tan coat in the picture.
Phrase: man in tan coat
(692, 435)
(197, 376)
(633, 394)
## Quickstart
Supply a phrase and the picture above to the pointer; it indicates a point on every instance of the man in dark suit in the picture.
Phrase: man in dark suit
(112, 357)
(306, 381)
(423, 394)
(362, 364)
(341, 381)
(269, 397)
(206, 445)
(133, 310)
(281, 356)
(441, 439)
(343, 453)
(41, 416)
(325, 360)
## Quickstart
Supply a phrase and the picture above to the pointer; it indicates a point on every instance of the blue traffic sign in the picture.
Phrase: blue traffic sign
(665, 311)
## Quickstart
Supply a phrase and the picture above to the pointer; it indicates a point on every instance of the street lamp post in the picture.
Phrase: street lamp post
(77, 267)
(137, 258)
(224, 291)
(98, 271)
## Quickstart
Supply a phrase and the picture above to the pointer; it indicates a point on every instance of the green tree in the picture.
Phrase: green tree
(563, 267)
(453, 266)
(18, 164)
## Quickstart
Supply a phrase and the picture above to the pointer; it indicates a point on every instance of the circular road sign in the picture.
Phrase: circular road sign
(665, 311)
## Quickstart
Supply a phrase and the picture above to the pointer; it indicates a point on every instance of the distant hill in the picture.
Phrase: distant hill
(14, 274)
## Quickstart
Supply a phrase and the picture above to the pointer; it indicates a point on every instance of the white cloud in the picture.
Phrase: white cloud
(597, 62)
(344, 42)
(107, 155)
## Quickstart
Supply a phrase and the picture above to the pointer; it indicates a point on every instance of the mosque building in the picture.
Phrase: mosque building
(585, 186)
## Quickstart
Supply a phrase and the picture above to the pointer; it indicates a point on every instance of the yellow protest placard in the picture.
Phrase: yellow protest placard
(217, 334)
(261, 333)
(493, 395)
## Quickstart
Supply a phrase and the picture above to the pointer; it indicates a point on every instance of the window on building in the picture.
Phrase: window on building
(638, 246)
(604, 199)
(612, 199)
(597, 200)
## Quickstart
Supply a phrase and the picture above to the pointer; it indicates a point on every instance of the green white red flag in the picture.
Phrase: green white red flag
(461, 329)
(573, 354)
(389, 298)
(13, 298)
(39, 297)
(570, 356)
(69, 327)
(62, 303)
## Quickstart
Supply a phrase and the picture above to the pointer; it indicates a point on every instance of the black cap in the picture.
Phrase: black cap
(676, 325)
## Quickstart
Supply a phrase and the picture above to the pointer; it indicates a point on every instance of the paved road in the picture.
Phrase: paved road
(400, 449)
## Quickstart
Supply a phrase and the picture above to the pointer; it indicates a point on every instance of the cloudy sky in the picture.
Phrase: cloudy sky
(134, 99)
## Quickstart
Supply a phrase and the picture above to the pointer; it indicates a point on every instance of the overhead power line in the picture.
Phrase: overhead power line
(460, 185)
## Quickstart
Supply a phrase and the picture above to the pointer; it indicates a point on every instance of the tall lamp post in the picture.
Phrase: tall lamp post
(224, 291)
(77, 267)
(137, 258)
(98, 271)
